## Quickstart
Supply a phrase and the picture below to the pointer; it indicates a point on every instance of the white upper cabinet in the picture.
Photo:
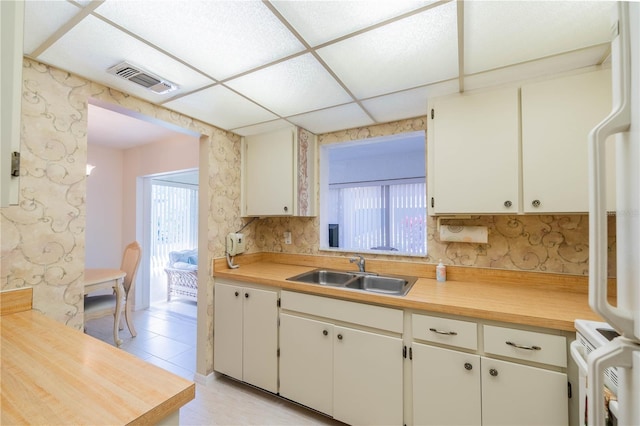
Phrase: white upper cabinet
(473, 153)
(557, 116)
(278, 173)
(518, 150)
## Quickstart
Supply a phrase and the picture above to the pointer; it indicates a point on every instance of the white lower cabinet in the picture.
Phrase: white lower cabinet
(306, 362)
(455, 387)
(515, 394)
(446, 386)
(246, 335)
(367, 378)
(351, 373)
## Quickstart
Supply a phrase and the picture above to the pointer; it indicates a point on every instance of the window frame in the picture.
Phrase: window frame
(324, 165)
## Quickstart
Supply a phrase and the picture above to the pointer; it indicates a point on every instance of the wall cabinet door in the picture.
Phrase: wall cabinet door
(557, 116)
(306, 362)
(446, 386)
(515, 394)
(246, 335)
(474, 153)
(367, 379)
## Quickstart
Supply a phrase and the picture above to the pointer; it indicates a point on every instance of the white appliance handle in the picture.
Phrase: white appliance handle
(617, 121)
(578, 355)
(617, 353)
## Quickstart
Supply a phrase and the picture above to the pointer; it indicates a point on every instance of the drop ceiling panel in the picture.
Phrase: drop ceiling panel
(221, 107)
(407, 104)
(536, 69)
(320, 21)
(222, 38)
(42, 19)
(92, 46)
(332, 119)
(292, 87)
(503, 33)
(418, 50)
(267, 127)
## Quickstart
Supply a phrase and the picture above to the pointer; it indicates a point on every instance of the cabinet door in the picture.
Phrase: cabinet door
(306, 362)
(475, 155)
(260, 338)
(367, 380)
(514, 394)
(557, 116)
(446, 386)
(269, 173)
(227, 338)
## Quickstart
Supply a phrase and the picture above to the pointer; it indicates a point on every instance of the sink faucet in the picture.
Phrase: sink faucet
(359, 260)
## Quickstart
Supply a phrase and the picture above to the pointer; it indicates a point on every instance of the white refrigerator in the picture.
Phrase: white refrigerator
(622, 352)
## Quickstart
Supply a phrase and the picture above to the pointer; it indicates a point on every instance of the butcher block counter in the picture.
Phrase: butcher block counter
(53, 374)
(552, 301)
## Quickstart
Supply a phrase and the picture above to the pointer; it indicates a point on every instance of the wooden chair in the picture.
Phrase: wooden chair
(103, 305)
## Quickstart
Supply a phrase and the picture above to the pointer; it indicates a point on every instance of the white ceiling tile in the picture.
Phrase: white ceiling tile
(333, 119)
(222, 38)
(42, 19)
(407, 104)
(92, 46)
(320, 21)
(221, 107)
(267, 127)
(499, 33)
(292, 87)
(418, 50)
(535, 69)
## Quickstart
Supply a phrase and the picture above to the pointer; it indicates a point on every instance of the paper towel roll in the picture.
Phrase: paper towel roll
(464, 234)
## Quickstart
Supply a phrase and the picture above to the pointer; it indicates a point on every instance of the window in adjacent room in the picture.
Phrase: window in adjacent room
(373, 195)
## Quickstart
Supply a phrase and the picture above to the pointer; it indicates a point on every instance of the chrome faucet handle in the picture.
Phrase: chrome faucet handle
(359, 260)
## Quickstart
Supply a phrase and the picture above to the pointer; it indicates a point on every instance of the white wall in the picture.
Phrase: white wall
(104, 208)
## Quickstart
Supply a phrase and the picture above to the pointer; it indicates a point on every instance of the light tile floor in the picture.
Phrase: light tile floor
(167, 338)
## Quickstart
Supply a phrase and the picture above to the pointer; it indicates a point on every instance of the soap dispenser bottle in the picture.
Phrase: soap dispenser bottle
(441, 272)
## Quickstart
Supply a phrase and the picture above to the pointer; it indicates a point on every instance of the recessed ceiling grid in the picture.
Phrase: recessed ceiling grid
(246, 66)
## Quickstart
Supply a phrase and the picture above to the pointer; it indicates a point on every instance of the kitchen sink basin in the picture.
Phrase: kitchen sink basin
(378, 284)
(324, 277)
(370, 282)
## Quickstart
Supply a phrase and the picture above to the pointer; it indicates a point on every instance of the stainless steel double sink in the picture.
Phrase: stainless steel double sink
(394, 285)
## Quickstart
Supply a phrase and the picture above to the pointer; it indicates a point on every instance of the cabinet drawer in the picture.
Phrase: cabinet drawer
(462, 334)
(526, 345)
(356, 313)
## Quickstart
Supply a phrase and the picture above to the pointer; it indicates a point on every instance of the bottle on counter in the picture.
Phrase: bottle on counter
(441, 272)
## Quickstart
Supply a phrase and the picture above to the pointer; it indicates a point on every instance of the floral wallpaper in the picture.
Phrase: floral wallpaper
(43, 238)
(550, 243)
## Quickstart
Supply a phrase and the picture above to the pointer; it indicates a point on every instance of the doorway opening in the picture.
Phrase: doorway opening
(173, 241)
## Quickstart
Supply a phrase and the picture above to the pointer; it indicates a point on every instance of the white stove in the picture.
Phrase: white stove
(593, 334)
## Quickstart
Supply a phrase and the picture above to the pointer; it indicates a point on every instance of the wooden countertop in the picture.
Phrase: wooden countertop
(551, 301)
(53, 374)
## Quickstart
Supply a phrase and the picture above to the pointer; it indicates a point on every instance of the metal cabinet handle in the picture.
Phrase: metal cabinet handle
(237, 294)
(528, 348)
(325, 332)
(535, 203)
(468, 366)
(508, 203)
(286, 209)
(448, 333)
(246, 295)
(493, 372)
(339, 336)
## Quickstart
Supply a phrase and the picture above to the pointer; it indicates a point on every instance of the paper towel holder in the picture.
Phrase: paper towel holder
(448, 218)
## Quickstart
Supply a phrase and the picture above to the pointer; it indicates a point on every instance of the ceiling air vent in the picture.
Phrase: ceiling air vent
(143, 78)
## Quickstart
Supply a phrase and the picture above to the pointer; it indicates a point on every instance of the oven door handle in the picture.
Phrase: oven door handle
(578, 355)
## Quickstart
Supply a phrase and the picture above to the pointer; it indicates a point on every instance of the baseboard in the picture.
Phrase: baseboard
(202, 379)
